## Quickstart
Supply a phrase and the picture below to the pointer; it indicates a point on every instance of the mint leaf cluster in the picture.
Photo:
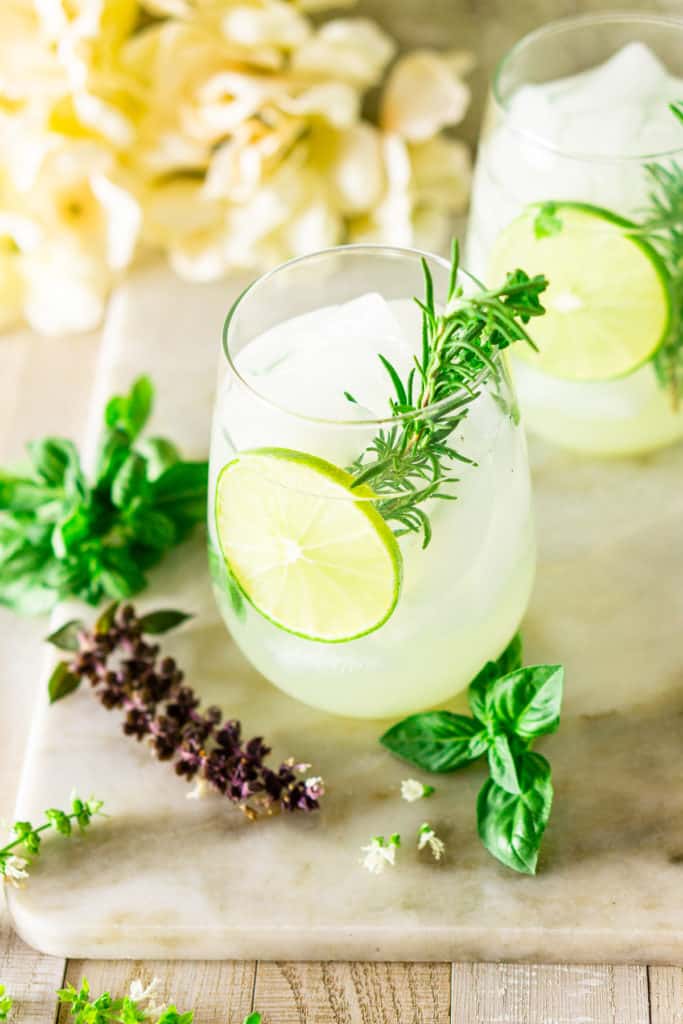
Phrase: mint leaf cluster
(62, 535)
(511, 707)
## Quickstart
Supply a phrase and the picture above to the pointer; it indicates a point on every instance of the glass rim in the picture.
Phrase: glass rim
(557, 27)
(366, 248)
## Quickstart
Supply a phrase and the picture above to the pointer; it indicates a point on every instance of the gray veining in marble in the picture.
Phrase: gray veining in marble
(168, 877)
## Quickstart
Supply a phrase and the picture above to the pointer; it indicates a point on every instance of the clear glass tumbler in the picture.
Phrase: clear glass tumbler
(316, 577)
(580, 176)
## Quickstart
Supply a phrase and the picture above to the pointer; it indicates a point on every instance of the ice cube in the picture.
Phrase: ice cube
(303, 367)
(306, 364)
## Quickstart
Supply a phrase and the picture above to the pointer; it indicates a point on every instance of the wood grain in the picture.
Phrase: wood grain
(30, 978)
(530, 994)
(353, 993)
(218, 992)
(666, 995)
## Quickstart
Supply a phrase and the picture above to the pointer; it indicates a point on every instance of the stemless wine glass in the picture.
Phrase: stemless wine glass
(580, 177)
(315, 576)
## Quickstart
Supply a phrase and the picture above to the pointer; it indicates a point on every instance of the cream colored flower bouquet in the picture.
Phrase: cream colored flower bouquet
(228, 133)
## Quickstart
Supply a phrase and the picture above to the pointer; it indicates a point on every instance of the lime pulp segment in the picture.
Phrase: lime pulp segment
(608, 303)
(309, 553)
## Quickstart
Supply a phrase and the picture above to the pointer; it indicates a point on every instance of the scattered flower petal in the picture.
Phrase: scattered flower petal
(426, 836)
(379, 853)
(15, 872)
(412, 790)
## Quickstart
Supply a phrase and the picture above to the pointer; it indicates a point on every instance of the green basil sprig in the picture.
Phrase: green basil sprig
(511, 706)
(61, 535)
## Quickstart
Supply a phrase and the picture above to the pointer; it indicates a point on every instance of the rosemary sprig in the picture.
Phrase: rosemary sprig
(410, 462)
(663, 229)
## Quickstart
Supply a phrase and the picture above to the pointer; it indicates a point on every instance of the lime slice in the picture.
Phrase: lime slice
(307, 554)
(608, 303)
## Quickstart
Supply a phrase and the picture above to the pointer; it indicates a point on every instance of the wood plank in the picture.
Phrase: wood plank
(220, 992)
(30, 978)
(351, 993)
(531, 994)
(666, 995)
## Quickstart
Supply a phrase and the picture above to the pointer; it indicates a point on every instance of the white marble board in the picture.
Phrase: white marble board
(167, 877)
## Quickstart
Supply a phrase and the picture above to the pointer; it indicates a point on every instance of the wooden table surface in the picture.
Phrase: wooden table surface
(44, 387)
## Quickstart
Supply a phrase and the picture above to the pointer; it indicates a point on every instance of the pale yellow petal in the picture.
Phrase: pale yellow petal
(423, 95)
(65, 288)
(357, 175)
(353, 49)
(442, 173)
(269, 23)
(123, 219)
(11, 284)
(336, 102)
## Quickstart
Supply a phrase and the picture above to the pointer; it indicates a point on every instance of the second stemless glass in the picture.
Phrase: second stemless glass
(550, 139)
(294, 344)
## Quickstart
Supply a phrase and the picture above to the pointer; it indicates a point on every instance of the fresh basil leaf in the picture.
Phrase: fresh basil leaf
(151, 528)
(502, 764)
(130, 412)
(120, 575)
(438, 741)
(130, 481)
(528, 701)
(62, 682)
(510, 825)
(52, 458)
(71, 531)
(107, 618)
(478, 692)
(114, 450)
(66, 637)
(182, 483)
(163, 620)
(159, 454)
(18, 494)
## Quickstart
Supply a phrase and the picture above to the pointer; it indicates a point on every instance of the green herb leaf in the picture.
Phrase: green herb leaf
(510, 825)
(478, 691)
(66, 637)
(130, 413)
(159, 454)
(528, 701)
(106, 619)
(181, 483)
(62, 682)
(502, 764)
(546, 222)
(410, 462)
(130, 481)
(438, 741)
(252, 1018)
(162, 621)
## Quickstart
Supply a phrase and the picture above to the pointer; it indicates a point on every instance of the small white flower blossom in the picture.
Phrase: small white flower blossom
(148, 995)
(378, 853)
(412, 790)
(15, 872)
(199, 791)
(428, 837)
